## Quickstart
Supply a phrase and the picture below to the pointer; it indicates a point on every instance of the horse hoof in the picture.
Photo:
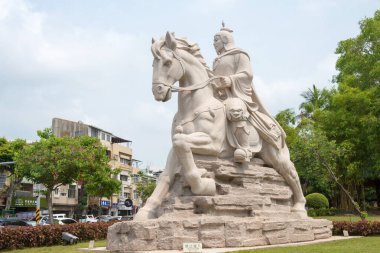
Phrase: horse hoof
(299, 210)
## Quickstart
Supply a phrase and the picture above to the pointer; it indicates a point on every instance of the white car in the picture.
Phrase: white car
(87, 218)
(43, 221)
(62, 221)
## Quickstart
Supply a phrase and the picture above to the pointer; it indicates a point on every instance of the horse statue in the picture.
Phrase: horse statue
(199, 126)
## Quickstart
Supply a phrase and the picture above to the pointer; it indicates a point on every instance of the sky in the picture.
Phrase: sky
(90, 60)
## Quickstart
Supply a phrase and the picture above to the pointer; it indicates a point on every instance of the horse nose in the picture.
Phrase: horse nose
(157, 88)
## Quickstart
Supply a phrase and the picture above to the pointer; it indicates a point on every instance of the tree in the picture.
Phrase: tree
(8, 150)
(145, 187)
(353, 117)
(358, 63)
(313, 175)
(288, 119)
(315, 99)
(53, 161)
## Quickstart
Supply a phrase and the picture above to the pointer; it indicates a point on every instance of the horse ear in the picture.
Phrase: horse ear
(153, 40)
(170, 41)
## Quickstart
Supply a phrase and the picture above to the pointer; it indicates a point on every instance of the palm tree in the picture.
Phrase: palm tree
(315, 99)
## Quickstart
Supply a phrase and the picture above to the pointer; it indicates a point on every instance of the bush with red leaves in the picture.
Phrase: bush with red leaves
(26, 237)
(363, 228)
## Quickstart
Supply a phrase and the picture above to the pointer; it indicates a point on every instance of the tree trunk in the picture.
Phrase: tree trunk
(362, 194)
(14, 182)
(332, 174)
(377, 185)
(49, 196)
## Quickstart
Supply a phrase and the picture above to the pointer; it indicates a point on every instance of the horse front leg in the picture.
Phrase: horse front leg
(183, 145)
(162, 188)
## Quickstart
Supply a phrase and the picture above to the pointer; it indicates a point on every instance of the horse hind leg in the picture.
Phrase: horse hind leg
(162, 188)
(280, 161)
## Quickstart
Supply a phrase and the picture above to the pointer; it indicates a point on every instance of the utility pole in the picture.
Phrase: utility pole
(38, 206)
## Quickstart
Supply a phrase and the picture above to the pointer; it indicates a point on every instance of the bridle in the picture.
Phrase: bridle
(192, 87)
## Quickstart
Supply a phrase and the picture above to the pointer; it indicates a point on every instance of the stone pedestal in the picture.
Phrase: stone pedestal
(252, 207)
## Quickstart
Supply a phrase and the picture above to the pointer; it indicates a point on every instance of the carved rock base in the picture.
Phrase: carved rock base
(213, 232)
(252, 207)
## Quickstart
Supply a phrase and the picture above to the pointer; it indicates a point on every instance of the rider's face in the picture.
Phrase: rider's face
(218, 44)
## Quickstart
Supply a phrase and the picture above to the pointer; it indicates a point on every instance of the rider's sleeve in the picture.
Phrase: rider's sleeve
(242, 79)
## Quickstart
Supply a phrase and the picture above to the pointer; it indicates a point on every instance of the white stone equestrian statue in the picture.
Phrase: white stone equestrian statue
(219, 115)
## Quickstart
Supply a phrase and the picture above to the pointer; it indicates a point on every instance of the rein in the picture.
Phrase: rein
(191, 87)
(188, 88)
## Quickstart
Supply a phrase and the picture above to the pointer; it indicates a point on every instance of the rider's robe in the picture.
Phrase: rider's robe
(235, 63)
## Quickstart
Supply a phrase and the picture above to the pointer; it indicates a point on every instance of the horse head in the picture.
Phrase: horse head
(168, 67)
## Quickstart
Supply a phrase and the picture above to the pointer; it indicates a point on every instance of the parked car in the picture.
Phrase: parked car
(45, 218)
(126, 218)
(87, 218)
(43, 221)
(62, 221)
(13, 223)
(103, 218)
(106, 218)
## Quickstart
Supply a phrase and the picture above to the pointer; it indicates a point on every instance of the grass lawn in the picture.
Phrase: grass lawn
(369, 244)
(60, 249)
(348, 218)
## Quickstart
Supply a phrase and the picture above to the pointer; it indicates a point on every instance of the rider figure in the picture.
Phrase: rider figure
(234, 68)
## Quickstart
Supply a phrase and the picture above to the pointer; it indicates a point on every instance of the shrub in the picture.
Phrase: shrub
(21, 237)
(317, 201)
(322, 212)
(363, 228)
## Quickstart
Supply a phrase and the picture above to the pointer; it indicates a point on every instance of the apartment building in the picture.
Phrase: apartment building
(65, 199)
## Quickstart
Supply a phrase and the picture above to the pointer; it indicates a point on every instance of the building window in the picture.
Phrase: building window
(125, 161)
(135, 195)
(103, 136)
(126, 195)
(71, 192)
(94, 132)
(56, 192)
(123, 178)
(63, 194)
(108, 137)
(135, 178)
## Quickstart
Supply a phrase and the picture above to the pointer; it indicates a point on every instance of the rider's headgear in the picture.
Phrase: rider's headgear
(226, 37)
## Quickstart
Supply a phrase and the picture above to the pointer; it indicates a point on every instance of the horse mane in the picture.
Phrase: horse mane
(182, 44)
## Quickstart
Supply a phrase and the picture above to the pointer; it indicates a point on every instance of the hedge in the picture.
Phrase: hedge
(26, 237)
(322, 212)
(363, 228)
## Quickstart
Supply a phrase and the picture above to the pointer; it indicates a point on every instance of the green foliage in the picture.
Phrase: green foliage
(55, 161)
(287, 120)
(321, 212)
(358, 64)
(312, 171)
(317, 201)
(9, 149)
(145, 188)
(315, 99)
